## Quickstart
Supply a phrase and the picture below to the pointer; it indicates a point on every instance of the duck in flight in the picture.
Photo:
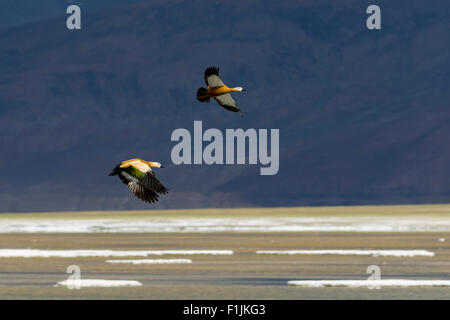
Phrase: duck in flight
(218, 90)
(140, 179)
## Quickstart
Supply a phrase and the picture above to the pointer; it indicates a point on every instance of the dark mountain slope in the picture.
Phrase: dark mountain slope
(363, 115)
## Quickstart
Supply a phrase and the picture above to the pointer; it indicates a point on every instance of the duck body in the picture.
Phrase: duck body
(137, 174)
(218, 90)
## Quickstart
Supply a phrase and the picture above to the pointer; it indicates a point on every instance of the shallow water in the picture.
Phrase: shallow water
(242, 275)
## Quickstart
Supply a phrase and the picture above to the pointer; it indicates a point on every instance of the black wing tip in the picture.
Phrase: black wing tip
(201, 95)
(211, 71)
(231, 108)
(165, 190)
(149, 196)
(162, 190)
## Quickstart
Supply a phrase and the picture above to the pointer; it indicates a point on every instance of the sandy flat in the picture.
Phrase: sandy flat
(243, 275)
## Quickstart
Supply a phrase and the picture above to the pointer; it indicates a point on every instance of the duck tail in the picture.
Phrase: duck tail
(201, 95)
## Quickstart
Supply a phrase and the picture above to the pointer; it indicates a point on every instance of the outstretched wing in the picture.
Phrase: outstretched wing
(226, 101)
(152, 182)
(139, 190)
(146, 179)
(143, 193)
(212, 78)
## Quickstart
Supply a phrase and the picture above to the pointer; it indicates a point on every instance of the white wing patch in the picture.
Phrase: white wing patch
(214, 81)
(226, 101)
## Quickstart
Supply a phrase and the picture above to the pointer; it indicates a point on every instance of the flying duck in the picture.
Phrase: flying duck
(140, 179)
(218, 90)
